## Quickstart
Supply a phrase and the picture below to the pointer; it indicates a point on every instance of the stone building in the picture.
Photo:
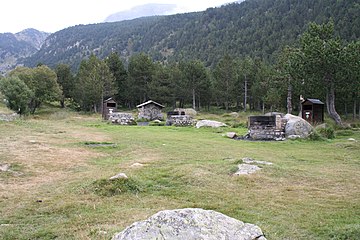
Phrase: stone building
(150, 110)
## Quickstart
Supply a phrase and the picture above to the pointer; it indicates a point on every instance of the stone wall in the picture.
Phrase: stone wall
(179, 120)
(121, 118)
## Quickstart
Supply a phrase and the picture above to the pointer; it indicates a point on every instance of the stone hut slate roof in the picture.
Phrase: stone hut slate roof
(149, 102)
(314, 101)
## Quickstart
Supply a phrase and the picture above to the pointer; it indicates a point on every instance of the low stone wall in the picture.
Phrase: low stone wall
(179, 120)
(8, 117)
(121, 118)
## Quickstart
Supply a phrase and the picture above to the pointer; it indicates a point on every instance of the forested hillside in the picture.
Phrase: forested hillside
(258, 28)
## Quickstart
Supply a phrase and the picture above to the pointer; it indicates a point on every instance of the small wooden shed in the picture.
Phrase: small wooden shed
(150, 110)
(109, 106)
(313, 110)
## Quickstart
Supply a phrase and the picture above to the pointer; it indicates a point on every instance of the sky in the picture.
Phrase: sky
(54, 15)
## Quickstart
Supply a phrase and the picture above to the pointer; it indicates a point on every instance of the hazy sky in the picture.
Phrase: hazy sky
(54, 15)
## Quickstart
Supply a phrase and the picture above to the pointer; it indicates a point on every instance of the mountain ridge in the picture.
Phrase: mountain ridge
(23, 44)
(256, 28)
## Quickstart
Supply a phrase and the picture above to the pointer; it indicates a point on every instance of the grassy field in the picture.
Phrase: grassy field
(60, 163)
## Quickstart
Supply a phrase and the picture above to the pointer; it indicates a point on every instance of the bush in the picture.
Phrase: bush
(108, 188)
(315, 136)
(327, 132)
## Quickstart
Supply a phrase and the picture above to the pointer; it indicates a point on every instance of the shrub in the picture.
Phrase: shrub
(315, 136)
(327, 132)
(108, 188)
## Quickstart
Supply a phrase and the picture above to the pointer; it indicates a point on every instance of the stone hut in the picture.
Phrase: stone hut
(313, 110)
(109, 106)
(150, 110)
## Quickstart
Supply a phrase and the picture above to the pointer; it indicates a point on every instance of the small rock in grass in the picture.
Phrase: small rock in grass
(4, 167)
(250, 161)
(231, 135)
(245, 169)
(120, 175)
(137, 165)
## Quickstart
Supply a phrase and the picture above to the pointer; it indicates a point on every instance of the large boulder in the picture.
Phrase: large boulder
(190, 224)
(297, 126)
(188, 111)
(209, 123)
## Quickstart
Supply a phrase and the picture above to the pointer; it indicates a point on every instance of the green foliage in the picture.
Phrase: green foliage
(42, 83)
(66, 81)
(327, 132)
(315, 136)
(140, 72)
(225, 77)
(117, 68)
(94, 82)
(109, 188)
(17, 94)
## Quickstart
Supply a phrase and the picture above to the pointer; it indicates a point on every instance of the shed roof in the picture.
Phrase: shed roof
(149, 102)
(314, 101)
(109, 100)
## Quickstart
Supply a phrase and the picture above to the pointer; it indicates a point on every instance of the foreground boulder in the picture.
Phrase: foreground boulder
(209, 123)
(296, 126)
(190, 224)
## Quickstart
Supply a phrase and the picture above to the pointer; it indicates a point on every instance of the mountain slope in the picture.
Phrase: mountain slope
(14, 47)
(151, 9)
(258, 28)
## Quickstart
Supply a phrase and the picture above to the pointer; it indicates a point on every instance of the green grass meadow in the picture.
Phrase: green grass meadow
(61, 162)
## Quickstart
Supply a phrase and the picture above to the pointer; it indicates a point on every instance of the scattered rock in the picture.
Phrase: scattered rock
(4, 167)
(293, 137)
(188, 111)
(252, 161)
(9, 117)
(190, 224)
(117, 176)
(137, 165)
(234, 114)
(297, 126)
(209, 123)
(245, 169)
(231, 135)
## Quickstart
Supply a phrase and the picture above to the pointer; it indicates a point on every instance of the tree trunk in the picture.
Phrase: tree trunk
(289, 99)
(245, 93)
(62, 102)
(354, 109)
(193, 98)
(330, 103)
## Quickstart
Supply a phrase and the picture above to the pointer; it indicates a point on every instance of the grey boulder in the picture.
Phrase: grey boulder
(297, 126)
(190, 224)
(209, 123)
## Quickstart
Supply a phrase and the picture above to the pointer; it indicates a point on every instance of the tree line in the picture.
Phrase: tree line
(321, 66)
